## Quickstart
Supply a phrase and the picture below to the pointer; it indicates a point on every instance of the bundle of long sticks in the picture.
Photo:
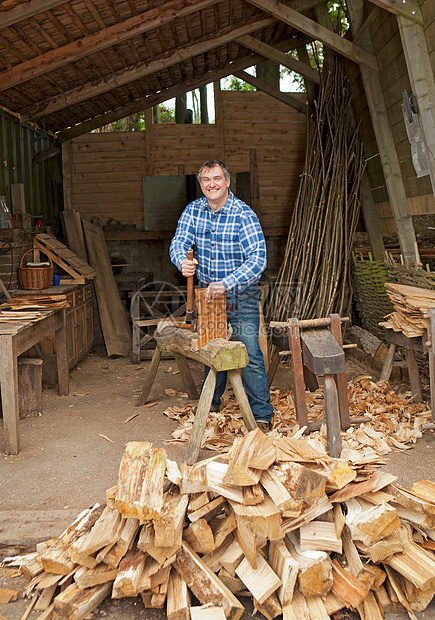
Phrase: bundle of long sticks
(314, 276)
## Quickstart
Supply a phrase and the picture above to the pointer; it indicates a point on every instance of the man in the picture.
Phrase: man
(230, 256)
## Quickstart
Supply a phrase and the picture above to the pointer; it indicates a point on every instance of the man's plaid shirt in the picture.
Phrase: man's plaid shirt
(229, 245)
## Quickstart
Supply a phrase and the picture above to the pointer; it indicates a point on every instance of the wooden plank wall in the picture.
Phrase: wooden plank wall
(107, 168)
(394, 77)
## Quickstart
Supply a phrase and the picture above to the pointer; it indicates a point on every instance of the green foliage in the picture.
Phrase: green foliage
(233, 83)
(166, 114)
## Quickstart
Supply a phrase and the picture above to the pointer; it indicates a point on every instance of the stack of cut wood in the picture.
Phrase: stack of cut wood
(411, 304)
(392, 421)
(303, 534)
(29, 307)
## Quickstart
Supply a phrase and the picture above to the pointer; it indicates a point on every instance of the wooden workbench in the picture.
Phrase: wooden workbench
(16, 337)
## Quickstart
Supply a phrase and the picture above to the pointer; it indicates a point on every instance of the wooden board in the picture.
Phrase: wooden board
(72, 227)
(63, 256)
(114, 323)
(212, 317)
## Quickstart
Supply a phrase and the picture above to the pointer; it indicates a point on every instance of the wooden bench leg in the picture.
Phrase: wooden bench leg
(414, 375)
(431, 354)
(242, 399)
(150, 378)
(388, 364)
(9, 393)
(272, 368)
(199, 424)
(340, 378)
(298, 373)
(332, 415)
(186, 375)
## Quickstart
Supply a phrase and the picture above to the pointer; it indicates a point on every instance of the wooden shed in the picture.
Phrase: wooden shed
(70, 68)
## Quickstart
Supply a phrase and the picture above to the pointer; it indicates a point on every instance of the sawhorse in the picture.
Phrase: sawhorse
(316, 347)
(218, 354)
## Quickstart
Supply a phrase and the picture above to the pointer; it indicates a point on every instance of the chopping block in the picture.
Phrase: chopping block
(217, 354)
(316, 347)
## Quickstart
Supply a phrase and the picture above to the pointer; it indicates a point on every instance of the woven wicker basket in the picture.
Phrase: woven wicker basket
(35, 277)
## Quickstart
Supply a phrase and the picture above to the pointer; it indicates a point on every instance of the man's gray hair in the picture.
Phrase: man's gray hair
(211, 163)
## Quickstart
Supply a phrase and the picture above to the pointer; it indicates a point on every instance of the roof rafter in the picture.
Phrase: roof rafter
(26, 10)
(273, 54)
(409, 9)
(294, 102)
(315, 30)
(125, 76)
(96, 42)
(169, 93)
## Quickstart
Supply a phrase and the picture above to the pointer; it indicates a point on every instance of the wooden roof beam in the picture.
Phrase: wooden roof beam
(81, 93)
(169, 93)
(282, 59)
(406, 8)
(318, 32)
(71, 52)
(294, 102)
(26, 10)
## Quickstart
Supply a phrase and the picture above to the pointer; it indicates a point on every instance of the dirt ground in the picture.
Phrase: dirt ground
(70, 455)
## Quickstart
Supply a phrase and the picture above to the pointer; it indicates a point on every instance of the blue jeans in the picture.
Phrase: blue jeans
(245, 321)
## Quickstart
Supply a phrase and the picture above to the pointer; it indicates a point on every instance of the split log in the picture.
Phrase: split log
(74, 603)
(120, 548)
(368, 523)
(418, 599)
(222, 526)
(209, 511)
(271, 607)
(301, 482)
(383, 549)
(316, 508)
(315, 571)
(234, 584)
(193, 478)
(216, 473)
(129, 574)
(297, 609)
(45, 598)
(204, 584)
(238, 472)
(247, 540)
(276, 490)
(369, 608)
(425, 490)
(200, 537)
(346, 587)
(262, 581)
(286, 567)
(316, 608)
(178, 598)
(146, 544)
(140, 482)
(89, 577)
(168, 526)
(231, 558)
(414, 563)
(264, 519)
(253, 495)
(105, 531)
(207, 612)
(197, 501)
(213, 559)
(319, 536)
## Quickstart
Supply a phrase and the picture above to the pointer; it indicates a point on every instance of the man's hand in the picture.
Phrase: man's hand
(214, 289)
(188, 267)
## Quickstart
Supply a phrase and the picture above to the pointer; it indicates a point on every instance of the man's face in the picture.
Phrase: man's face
(214, 185)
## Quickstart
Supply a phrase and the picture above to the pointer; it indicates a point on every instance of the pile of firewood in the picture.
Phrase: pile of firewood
(411, 304)
(277, 519)
(30, 307)
(385, 420)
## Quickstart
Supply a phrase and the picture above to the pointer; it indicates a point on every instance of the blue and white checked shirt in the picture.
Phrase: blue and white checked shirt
(229, 245)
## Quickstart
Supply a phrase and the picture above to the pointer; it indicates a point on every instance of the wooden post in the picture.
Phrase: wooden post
(9, 393)
(422, 83)
(150, 378)
(340, 378)
(202, 411)
(219, 115)
(431, 352)
(388, 364)
(67, 175)
(385, 142)
(62, 359)
(149, 152)
(186, 376)
(242, 399)
(332, 415)
(298, 373)
(414, 376)
(29, 386)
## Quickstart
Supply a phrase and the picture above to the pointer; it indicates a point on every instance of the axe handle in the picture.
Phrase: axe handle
(189, 305)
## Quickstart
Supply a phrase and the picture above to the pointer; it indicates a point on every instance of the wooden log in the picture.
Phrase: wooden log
(199, 535)
(140, 482)
(146, 544)
(418, 599)
(193, 478)
(302, 482)
(221, 526)
(316, 608)
(204, 584)
(178, 598)
(264, 519)
(105, 531)
(262, 581)
(212, 317)
(346, 587)
(209, 511)
(120, 548)
(218, 354)
(89, 577)
(45, 598)
(74, 603)
(238, 471)
(234, 584)
(247, 540)
(297, 609)
(319, 536)
(286, 567)
(207, 612)
(270, 608)
(216, 476)
(368, 523)
(369, 608)
(253, 495)
(169, 525)
(383, 549)
(198, 500)
(321, 352)
(129, 574)
(414, 563)
(231, 558)
(213, 559)
(276, 490)
(425, 490)
(315, 571)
